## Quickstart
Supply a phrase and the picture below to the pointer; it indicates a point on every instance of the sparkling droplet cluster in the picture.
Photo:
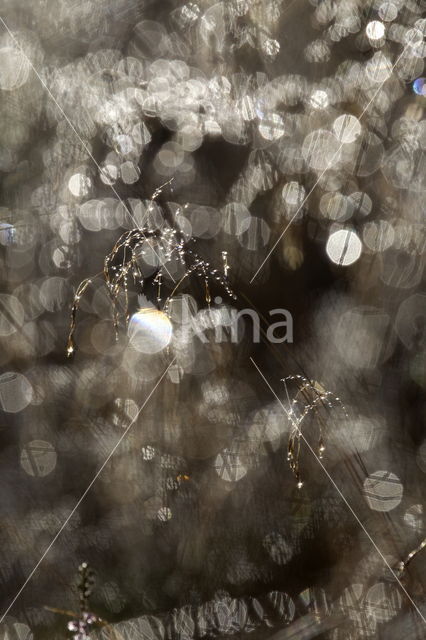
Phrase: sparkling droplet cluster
(309, 398)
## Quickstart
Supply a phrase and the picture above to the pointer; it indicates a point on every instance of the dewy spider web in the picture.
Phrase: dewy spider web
(121, 264)
(311, 395)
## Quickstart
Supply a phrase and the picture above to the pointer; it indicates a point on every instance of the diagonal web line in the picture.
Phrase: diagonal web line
(342, 496)
(336, 153)
(86, 491)
(79, 138)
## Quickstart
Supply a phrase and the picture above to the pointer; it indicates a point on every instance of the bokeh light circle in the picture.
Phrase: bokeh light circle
(38, 458)
(383, 491)
(16, 392)
(150, 331)
(344, 247)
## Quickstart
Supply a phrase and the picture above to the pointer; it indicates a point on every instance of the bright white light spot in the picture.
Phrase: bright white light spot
(108, 174)
(344, 247)
(125, 144)
(293, 194)
(319, 99)
(375, 30)
(346, 128)
(270, 47)
(150, 330)
(164, 514)
(148, 452)
(272, 127)
(79, 185)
